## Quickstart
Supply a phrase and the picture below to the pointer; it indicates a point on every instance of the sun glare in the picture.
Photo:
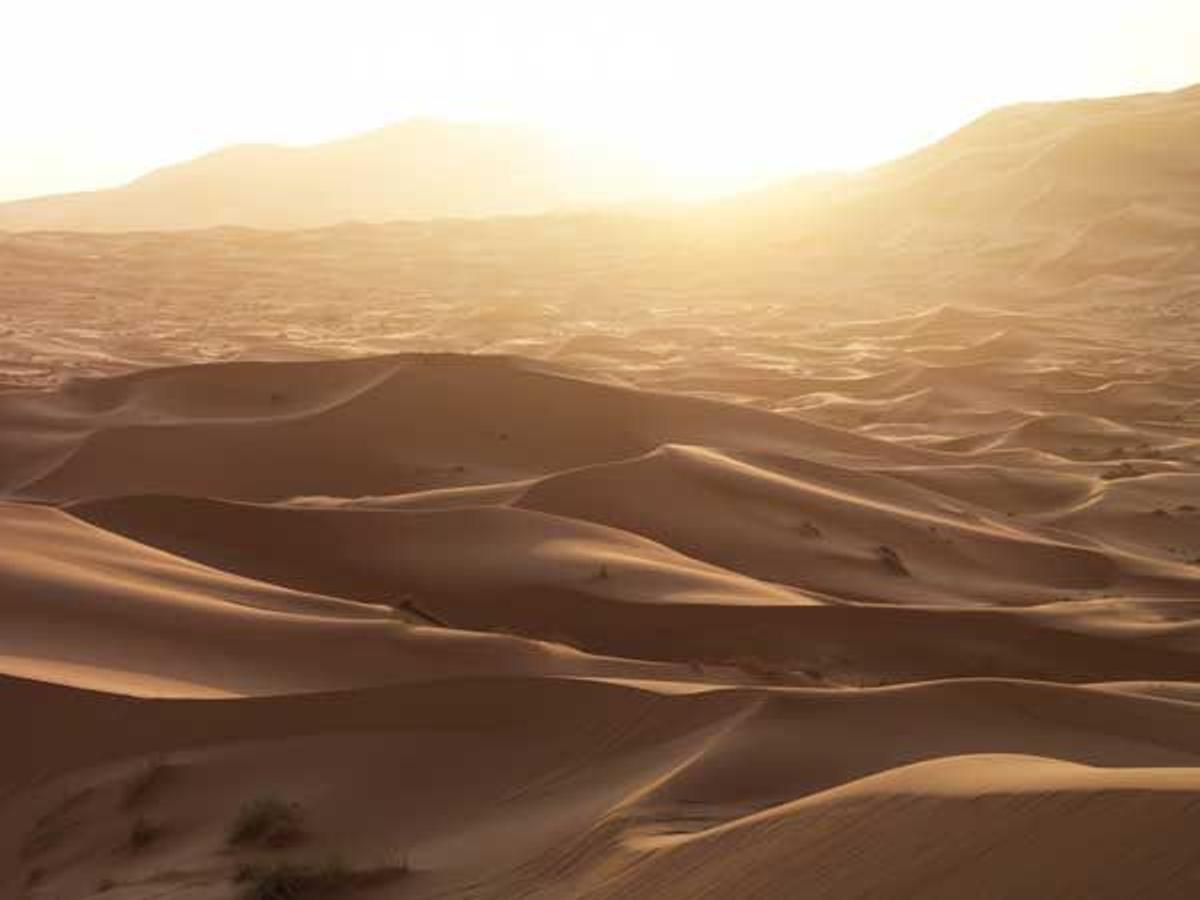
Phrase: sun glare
(721, 95)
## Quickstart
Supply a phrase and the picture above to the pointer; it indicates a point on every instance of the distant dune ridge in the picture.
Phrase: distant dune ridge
(418, 169)
(1122, 160)
(1089, 203)
(1048, 163)
(839, 546)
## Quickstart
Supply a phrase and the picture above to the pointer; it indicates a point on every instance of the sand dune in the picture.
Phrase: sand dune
(418, 169)
(497, 419)
(800, 523)
(624, 791)
(998, 215)
(83, 606)
(710, 647)
(1047, 827)
(840, 541)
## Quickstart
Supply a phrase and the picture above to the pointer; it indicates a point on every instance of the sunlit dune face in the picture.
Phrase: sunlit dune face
(719, 95)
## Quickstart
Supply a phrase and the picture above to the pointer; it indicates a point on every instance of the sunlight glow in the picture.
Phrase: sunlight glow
(724, 94)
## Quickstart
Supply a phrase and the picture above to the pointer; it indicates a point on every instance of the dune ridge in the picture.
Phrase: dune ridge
(704, 613)
(661, 794)
(416, 169)
(839, 541)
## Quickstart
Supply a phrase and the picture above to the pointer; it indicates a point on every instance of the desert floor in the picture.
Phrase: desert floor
(533, 598)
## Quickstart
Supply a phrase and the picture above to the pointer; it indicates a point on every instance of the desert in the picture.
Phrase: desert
(837, 539)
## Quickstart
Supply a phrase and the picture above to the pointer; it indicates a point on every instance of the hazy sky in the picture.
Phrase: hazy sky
(96, 92)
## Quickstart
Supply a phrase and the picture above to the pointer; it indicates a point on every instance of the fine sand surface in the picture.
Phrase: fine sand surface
(690, 593)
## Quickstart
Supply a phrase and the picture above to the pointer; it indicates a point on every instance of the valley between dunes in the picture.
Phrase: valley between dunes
(671, 595)
(501, 627)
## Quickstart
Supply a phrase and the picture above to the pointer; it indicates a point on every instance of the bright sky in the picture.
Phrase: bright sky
(96, 92)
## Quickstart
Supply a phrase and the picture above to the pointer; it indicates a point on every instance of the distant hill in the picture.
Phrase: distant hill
(1036, 200)
(418, 169)
(1087, 203)
(1032, 164)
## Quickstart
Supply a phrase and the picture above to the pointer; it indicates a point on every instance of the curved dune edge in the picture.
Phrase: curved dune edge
(895, 608)
(1040, 827)
(478, 419)
(601, 589)
(81, 606)
(625, 791)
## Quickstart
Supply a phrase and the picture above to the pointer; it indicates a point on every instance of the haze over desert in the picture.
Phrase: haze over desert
(467, 508)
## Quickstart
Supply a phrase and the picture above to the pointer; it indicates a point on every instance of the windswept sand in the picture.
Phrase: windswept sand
(675, 595)
(541, 633)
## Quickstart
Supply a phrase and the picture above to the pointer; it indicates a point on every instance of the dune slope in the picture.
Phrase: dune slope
(839, 542)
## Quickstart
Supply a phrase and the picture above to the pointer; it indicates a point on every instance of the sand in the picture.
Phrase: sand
(615, 557)
(415, 169)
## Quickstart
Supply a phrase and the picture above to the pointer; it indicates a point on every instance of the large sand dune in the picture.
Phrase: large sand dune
(837, 543)
(822, 638)
(417, 169)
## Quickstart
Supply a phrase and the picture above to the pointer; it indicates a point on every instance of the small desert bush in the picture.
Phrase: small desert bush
(760, 669)
(891, 560)
(299, 881)
(1124, 470)
(294, 881)
(267, 822)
